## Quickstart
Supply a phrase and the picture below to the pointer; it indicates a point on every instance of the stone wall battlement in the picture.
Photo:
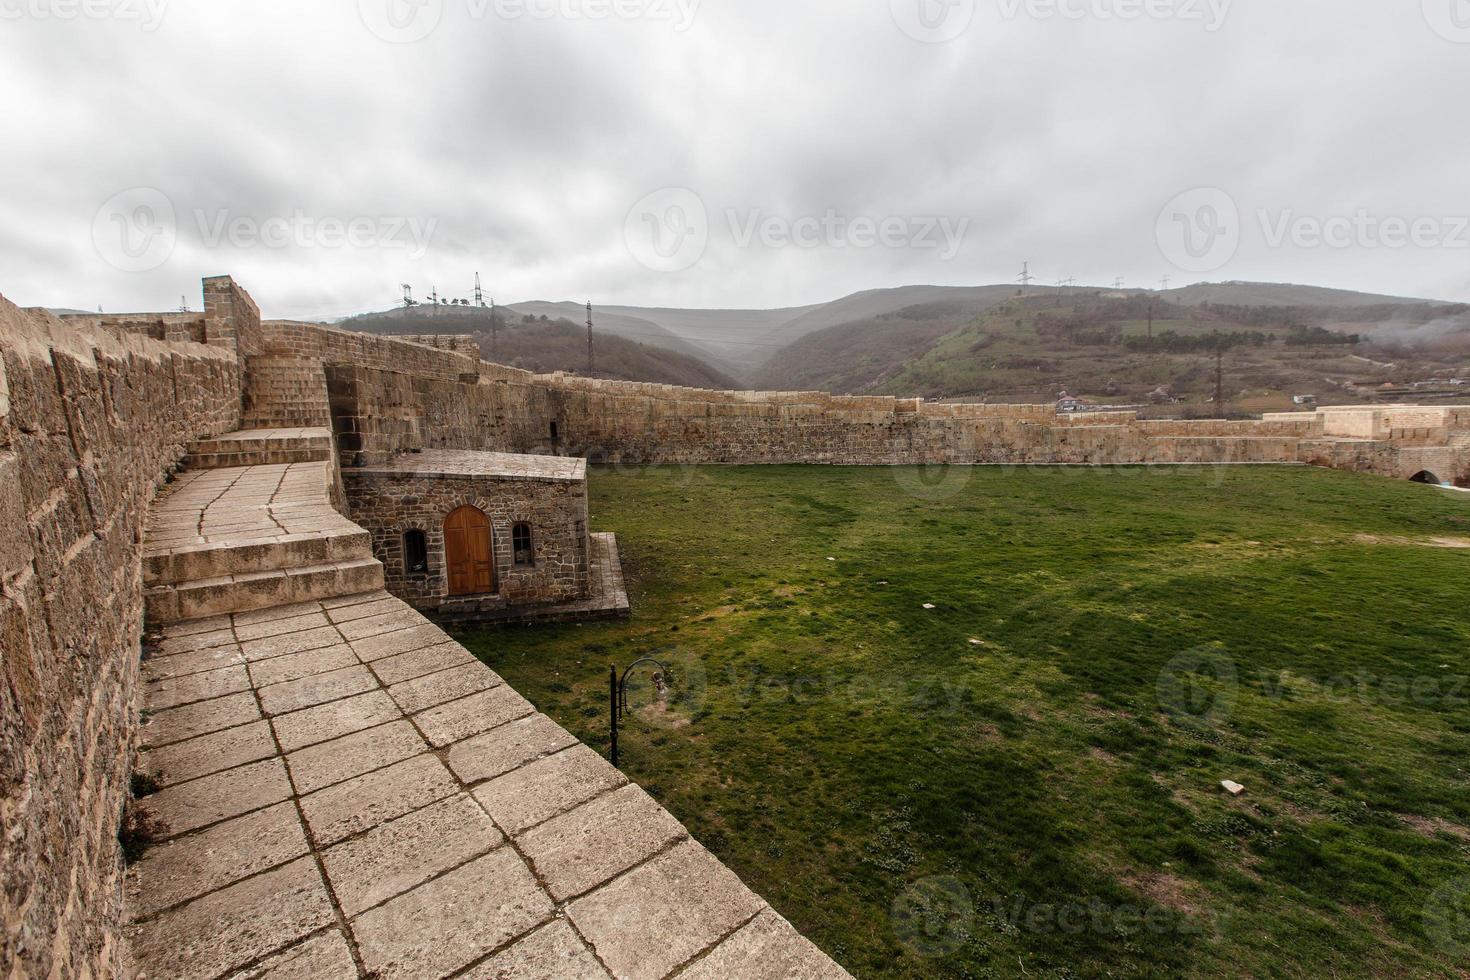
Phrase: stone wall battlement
(92, 418)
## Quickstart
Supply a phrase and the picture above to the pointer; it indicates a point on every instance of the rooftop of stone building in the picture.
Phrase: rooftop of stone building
(502, 466)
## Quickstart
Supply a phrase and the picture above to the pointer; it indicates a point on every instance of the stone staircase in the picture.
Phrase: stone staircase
(285, 393)
(229, 539)
(258, 447)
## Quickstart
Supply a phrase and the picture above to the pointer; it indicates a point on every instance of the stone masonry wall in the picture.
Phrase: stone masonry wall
(389, 396)
(90, 422)
(389, 505)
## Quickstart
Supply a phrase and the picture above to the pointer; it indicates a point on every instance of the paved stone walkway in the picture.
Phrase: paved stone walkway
(347, 792)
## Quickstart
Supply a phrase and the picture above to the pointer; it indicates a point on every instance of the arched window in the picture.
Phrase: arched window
(521, 545)
(415, 552)
(555, 431)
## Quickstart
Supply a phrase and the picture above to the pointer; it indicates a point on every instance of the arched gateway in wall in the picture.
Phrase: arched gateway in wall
(468, 555)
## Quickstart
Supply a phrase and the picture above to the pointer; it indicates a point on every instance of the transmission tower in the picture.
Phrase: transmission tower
(1118, 283)
(183, 305)
(1063, 284)
(590, 360)
(1219, 380)
(479, 295)
(1164, 284)
(494, 329)
(1026, 278)
(408, 299)
(434, 296)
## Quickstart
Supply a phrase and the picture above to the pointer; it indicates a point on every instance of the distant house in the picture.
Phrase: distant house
(1067, 404)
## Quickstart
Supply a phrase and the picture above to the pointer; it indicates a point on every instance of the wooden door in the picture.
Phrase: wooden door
(467, 552)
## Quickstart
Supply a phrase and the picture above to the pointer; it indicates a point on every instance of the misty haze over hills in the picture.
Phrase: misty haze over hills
(995, 341)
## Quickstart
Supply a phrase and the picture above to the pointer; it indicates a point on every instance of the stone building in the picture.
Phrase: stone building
(487, 536)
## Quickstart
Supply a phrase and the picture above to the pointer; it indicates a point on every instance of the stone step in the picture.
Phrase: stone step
(262, 446)
(193, 563)
(262, 457)
(246, 592)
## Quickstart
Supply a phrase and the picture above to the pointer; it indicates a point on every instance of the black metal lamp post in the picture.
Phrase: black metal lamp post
(618, 697)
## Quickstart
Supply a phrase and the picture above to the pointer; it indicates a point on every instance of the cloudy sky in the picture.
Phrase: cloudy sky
(717, 153)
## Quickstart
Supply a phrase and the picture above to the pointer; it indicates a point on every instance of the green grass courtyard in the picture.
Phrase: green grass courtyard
(1025, 778)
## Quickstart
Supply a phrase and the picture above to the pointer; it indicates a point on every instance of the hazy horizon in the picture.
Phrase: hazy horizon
(697, 155)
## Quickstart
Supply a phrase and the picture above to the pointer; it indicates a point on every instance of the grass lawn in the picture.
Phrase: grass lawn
(1026, 778)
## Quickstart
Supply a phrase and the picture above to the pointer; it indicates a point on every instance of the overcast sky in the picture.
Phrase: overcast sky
(754, 153)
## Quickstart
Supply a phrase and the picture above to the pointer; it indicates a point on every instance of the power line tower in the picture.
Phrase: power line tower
(494, 329)
(1026, 278)
(183, 305)
(1063, 284)
(1118, 283)
(434, 296)
(1164, 284)
(479, 294)
(590, 361)
(1219, 379)
(408, 299)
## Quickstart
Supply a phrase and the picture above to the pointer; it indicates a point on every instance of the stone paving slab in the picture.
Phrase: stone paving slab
(685, 896)
(460, 831)
(547, 788)
(767, 946)
(207, 754)
(230, 928)
(393, 857)
(552, 951)
(453, 920)
(580, 850)
(352, 755)
(455, 721)
(199, 863)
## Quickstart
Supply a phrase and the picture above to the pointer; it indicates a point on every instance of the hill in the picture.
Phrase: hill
(542, 344)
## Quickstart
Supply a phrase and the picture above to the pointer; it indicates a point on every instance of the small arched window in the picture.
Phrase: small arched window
(415, 552)
(555, 431)
(522, 546)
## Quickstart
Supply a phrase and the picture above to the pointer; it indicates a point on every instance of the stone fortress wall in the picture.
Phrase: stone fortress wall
(381, 409)
(95, 411)
(92, 418)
